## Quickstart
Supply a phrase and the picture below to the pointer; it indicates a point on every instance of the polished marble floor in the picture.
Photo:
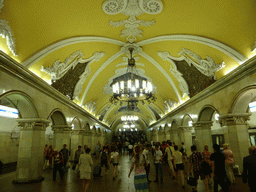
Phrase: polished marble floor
(106, 183)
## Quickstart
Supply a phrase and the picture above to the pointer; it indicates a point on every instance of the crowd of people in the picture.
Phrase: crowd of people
(216, 166)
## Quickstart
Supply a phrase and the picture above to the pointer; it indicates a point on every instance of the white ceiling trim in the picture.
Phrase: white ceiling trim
(95, 75)
(150, 59)
(55, 46)
(202, 40)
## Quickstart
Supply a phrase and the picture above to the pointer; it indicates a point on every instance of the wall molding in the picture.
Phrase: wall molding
(197, 39)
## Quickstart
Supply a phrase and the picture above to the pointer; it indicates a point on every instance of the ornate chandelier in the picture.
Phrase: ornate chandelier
(131, 87)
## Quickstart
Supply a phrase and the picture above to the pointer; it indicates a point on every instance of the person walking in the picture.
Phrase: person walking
(158, 163)
(77, 156)
(140, 176)
(130, 149)
(57, 164)
(196, 159)
(85, 168)
(104, 160)
(169, 152)
(229, 162)
(50, 154)
(218, 169)
(249, 169)
(115, 160)
(206, 164)
(65, 154)
(46, 158)
(178, 165)
(146, 155)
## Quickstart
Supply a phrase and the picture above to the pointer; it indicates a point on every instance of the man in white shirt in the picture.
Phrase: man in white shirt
(158, 163)
(146, 155)
(169, 152)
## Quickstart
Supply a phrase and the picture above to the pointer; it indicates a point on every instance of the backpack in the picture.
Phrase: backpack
(104, 155)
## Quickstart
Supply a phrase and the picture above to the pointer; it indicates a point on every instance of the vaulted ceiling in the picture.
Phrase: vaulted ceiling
(181, 46)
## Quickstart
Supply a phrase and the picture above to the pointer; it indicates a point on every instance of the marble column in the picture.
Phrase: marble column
(203, 135)
(236, 135)
(186, 137)
(87, 138)
(174, 136)
(61, 136)
(76, 140)
(31, 147)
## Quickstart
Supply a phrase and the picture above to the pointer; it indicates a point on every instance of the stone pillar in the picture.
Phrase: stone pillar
(174, 136)
(167, 135)
(61, 136)
(31, 150)
(203, 135)
(87, 138)
(76, 140)
(186, 137)
(236, 135)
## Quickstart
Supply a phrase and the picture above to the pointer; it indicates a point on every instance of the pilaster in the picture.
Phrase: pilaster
(174, 136)
(61, 136)
(30, 155)
(76, 140)
(236, 134)
(185, 136)
(203, 135)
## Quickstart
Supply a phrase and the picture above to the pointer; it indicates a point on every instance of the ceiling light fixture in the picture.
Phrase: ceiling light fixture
(130, 87)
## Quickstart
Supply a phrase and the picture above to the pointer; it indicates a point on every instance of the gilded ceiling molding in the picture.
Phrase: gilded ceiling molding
(70, 41)
(59, 69)
(151, 60)
(254, 47)
(132, 8)
(6, 32)
(197, 39)
(169, 104)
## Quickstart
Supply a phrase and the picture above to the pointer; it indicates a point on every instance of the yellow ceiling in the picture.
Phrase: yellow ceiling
(36, 25)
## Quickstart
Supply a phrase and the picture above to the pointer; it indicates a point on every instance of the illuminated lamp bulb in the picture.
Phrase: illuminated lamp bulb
(137, 83)
(144, 84)
(129, 84)
(122, 84)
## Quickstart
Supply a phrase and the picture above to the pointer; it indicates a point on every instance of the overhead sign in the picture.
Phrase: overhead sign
(252, 106)
(8, 112)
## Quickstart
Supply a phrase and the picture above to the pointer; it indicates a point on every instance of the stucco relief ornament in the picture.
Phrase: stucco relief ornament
(91, 106)
(59, 69)
(205, 66)
(132, 8)
(169, 104)
(183, 84)
(6, 32)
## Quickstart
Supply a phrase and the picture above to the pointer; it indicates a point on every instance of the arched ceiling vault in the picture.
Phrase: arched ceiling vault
(175, 44)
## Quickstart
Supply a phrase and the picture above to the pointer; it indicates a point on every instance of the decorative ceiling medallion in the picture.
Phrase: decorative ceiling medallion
(6, 32)
(59, 70)
(132, 8)
(169, 104)
(206, 67)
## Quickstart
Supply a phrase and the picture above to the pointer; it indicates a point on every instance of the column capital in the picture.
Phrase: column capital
(87, 133)
(202, 125)
(234, 119)
(173, 131)
(33, 124)
(78, 132)
(185, 129)
(61, 128)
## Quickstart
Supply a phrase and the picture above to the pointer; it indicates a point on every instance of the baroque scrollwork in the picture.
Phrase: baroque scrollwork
(132, 8)
(169, 104)
(6, 32)
(91, 106)
(59, 69)
(183, 84)
(205, 66)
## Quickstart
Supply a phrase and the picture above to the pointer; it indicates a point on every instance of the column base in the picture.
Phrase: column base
(25, 181)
